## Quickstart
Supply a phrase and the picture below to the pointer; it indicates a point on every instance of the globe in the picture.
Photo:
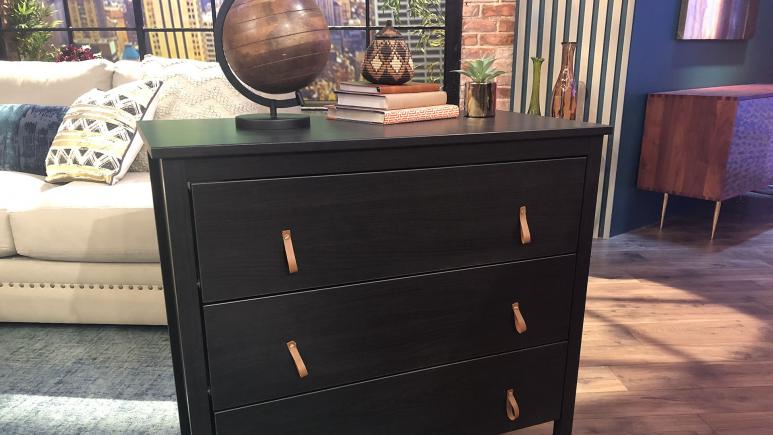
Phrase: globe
(275, 46)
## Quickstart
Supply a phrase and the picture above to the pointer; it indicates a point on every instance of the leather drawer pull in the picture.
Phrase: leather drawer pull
(525, 233)
(299, 365)
(513, 411)
(520, 322)
(292, 264)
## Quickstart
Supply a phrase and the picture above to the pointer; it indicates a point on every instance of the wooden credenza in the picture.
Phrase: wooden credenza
(708, 143)
(425, 278)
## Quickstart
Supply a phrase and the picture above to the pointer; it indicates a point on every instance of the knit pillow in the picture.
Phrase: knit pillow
(98, 139)
(194, 89)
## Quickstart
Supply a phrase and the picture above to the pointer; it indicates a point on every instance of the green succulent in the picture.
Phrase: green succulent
(480, 70)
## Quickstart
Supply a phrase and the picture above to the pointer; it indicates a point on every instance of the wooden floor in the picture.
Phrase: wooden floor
(678, 332)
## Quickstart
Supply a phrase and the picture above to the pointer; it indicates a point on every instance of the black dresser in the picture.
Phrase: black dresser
(424, 278)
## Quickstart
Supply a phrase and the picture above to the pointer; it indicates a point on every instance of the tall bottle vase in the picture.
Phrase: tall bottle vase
(534, 106)
(564, 101)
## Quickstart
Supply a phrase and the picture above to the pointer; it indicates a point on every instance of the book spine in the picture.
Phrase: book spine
(400, 89)
(421, 114)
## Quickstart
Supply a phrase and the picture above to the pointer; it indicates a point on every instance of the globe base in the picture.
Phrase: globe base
(284, 121)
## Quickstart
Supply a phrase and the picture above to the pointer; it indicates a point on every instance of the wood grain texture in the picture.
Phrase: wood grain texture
(463, 398)
(220, 138)
(711, 143)
(563, 159)
(649, 294)
(359, 332)
(359, 227)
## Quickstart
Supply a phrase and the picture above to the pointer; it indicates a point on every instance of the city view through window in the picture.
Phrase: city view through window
(183, 29)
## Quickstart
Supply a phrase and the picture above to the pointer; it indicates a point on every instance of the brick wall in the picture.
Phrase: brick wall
(488, 30)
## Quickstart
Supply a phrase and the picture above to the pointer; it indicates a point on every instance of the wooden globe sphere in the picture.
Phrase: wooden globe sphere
(276, 46)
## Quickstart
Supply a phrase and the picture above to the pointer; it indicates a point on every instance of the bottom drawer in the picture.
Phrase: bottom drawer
(462, 398)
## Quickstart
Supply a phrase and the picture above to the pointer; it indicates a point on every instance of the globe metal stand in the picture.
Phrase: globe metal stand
(257, 121)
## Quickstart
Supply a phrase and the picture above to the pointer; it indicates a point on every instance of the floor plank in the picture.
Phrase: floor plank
(679, 329)
(598, 380)
(742, 423)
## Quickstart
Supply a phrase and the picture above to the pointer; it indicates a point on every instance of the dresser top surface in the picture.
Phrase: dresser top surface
(739, 92)
(219, 137)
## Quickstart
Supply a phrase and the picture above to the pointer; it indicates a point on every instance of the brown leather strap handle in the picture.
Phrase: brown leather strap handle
(299, 364)
(525, 233)
(511, 406)
(292, 264)
(520, 322)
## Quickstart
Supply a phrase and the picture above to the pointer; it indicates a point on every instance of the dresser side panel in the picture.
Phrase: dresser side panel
(178, 263)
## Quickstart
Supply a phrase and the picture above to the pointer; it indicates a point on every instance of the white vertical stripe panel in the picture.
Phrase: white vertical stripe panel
(559, 27)
(587, 14)
(597, 57)
(614, 35)
(556, 51)
(575, 20)
(520, 53)
(593, 104)
(546, 31)
(532, 49)
(618, 118)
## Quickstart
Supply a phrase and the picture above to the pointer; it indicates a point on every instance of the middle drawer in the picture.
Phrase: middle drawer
(351, 333)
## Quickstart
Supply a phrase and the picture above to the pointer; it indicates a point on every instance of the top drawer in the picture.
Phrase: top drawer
(358, 227)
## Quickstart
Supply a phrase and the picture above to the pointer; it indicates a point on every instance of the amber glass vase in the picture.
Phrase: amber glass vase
(564, 102)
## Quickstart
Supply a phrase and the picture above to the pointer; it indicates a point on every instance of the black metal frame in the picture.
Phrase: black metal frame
(451, 57)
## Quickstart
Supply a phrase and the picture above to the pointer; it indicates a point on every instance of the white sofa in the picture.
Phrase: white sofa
(86, 252)
(80, 252)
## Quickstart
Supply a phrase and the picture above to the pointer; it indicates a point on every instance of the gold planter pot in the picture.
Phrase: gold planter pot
(480, 100)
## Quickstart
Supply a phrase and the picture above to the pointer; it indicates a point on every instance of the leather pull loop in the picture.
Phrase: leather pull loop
(292, 264)
(525, 233)
(299, 364)
(520, 322)
(511, 406)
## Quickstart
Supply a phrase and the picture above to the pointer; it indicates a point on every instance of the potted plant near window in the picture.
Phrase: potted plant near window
(22, 18)
(480, 94)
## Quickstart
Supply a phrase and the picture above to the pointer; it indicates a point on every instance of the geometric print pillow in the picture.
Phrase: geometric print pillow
(98, 140)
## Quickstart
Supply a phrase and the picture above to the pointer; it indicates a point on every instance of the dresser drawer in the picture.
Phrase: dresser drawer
(464, 398)
(352, 333)
(365, 226)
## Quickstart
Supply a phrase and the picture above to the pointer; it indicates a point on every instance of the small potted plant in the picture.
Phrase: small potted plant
(75, 53)
(480, 94)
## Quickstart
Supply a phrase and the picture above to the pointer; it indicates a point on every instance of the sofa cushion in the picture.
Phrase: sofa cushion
(18, 191)
(50, 83)
(94, 222)
(98, 139)
(126, 71)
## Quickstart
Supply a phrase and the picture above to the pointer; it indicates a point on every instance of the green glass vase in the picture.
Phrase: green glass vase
(534, 108)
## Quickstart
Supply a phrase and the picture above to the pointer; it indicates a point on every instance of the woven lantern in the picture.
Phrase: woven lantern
(388, 60)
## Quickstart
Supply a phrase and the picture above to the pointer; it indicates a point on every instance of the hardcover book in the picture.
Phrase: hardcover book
(392, 101)
(371, 88)
(387, 117)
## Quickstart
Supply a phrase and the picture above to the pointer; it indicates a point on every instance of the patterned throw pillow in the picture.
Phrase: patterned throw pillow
(194, 90)
(98, 139)
(26, 133)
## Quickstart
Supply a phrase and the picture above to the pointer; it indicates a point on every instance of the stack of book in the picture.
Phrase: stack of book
(391, 104)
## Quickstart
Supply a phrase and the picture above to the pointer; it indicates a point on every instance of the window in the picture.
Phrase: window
(129, 29)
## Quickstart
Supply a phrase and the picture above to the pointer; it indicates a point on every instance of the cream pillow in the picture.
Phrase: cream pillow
(194, 89)
(51, 83)
(98, 138)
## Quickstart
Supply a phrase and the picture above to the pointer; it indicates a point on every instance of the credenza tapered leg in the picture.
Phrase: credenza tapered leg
(663, 210)
(717, 205)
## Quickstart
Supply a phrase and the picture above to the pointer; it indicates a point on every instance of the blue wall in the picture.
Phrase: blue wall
(660, 62)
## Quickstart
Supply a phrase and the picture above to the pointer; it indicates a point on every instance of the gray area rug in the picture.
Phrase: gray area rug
(58, 379)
